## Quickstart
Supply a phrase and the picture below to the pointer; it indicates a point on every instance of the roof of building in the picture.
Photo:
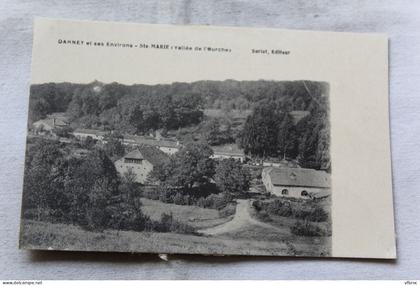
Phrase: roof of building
(149, 153)
(304, 177)
(298, 115)
(59, 115)
(135, 154)
(52, 122)
(90, 132)
(228, 149)
(152, 141)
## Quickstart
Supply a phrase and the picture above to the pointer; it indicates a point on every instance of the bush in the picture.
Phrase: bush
(279, 208)
(215, 201)
(264, 216)
(318, 215)
(152, 194)
(168, 224)
(313, 214)
(306, 229)
(289, 208)
(127, 216)
(258, 205)
(227, 211)
(167, 195)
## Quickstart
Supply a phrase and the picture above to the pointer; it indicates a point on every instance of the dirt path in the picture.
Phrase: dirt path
(241, 219)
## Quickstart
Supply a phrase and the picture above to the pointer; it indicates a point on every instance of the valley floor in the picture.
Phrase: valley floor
(241, 234)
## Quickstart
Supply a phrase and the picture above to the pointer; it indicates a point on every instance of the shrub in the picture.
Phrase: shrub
(313, 214)
(178, 199)
(263, 215)
(289, 208)
(215, 201)
(279, 208)
(258, 205)
(152, 194)
(318, 215)
(306, 229)
(167, 195)
(227, 211)
(127, 216)
(168, 224)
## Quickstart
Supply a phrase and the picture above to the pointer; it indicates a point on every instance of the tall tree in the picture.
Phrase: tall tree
(114, 147)
(192, 164)
(259, 135)
(216, 133)
(315, 142)
(286, 137)
(40, 174)
(231, 176)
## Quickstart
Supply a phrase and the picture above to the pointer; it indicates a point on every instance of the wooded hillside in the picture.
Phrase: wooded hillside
(268, 128)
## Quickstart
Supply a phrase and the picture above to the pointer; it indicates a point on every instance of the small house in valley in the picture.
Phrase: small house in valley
(51, 122)
(228, 151)
(141, 162)
(82, 134)
(168, 146)
(296, 182)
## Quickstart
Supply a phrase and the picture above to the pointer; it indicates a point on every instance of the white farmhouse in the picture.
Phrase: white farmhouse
(82, 134)
(296, 182)
(228, 151)
(168, 146)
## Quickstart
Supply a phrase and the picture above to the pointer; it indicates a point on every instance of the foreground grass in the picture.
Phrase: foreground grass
(42, 235)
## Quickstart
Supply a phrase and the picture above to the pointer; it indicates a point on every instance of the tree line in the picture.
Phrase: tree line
(269, 132)
(62, 186)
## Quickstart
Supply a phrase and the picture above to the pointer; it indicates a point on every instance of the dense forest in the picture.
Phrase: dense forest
(254, 114)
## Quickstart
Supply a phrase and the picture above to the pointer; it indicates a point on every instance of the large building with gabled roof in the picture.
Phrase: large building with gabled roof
(141, 162)
(296, 182)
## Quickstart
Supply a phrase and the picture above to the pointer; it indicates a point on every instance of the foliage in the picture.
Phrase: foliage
(191, 165)
(309, 211)
(231, 176)
(259, 136)
(84, 191)
(215, 201)
(88, 143)
(167, 223)
(217, 132)
(113, 146)
(314, 146)
(179, 197)
(63, 132)
(306, 229)
(40, 182)
(49, 98)
(269, 131)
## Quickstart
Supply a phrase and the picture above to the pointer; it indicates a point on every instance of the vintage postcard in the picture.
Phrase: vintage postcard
(207, 140)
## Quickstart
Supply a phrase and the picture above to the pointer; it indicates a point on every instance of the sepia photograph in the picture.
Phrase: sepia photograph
(219, 167)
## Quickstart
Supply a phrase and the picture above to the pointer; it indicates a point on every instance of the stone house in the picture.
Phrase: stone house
(141, 162)
(296, 182)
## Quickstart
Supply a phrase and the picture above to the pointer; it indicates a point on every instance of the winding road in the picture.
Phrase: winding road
(241, 219)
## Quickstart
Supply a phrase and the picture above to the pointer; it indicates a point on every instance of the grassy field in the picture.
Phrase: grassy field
(41, 235)
(192, 215)
(247, 240)
(305, 243)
